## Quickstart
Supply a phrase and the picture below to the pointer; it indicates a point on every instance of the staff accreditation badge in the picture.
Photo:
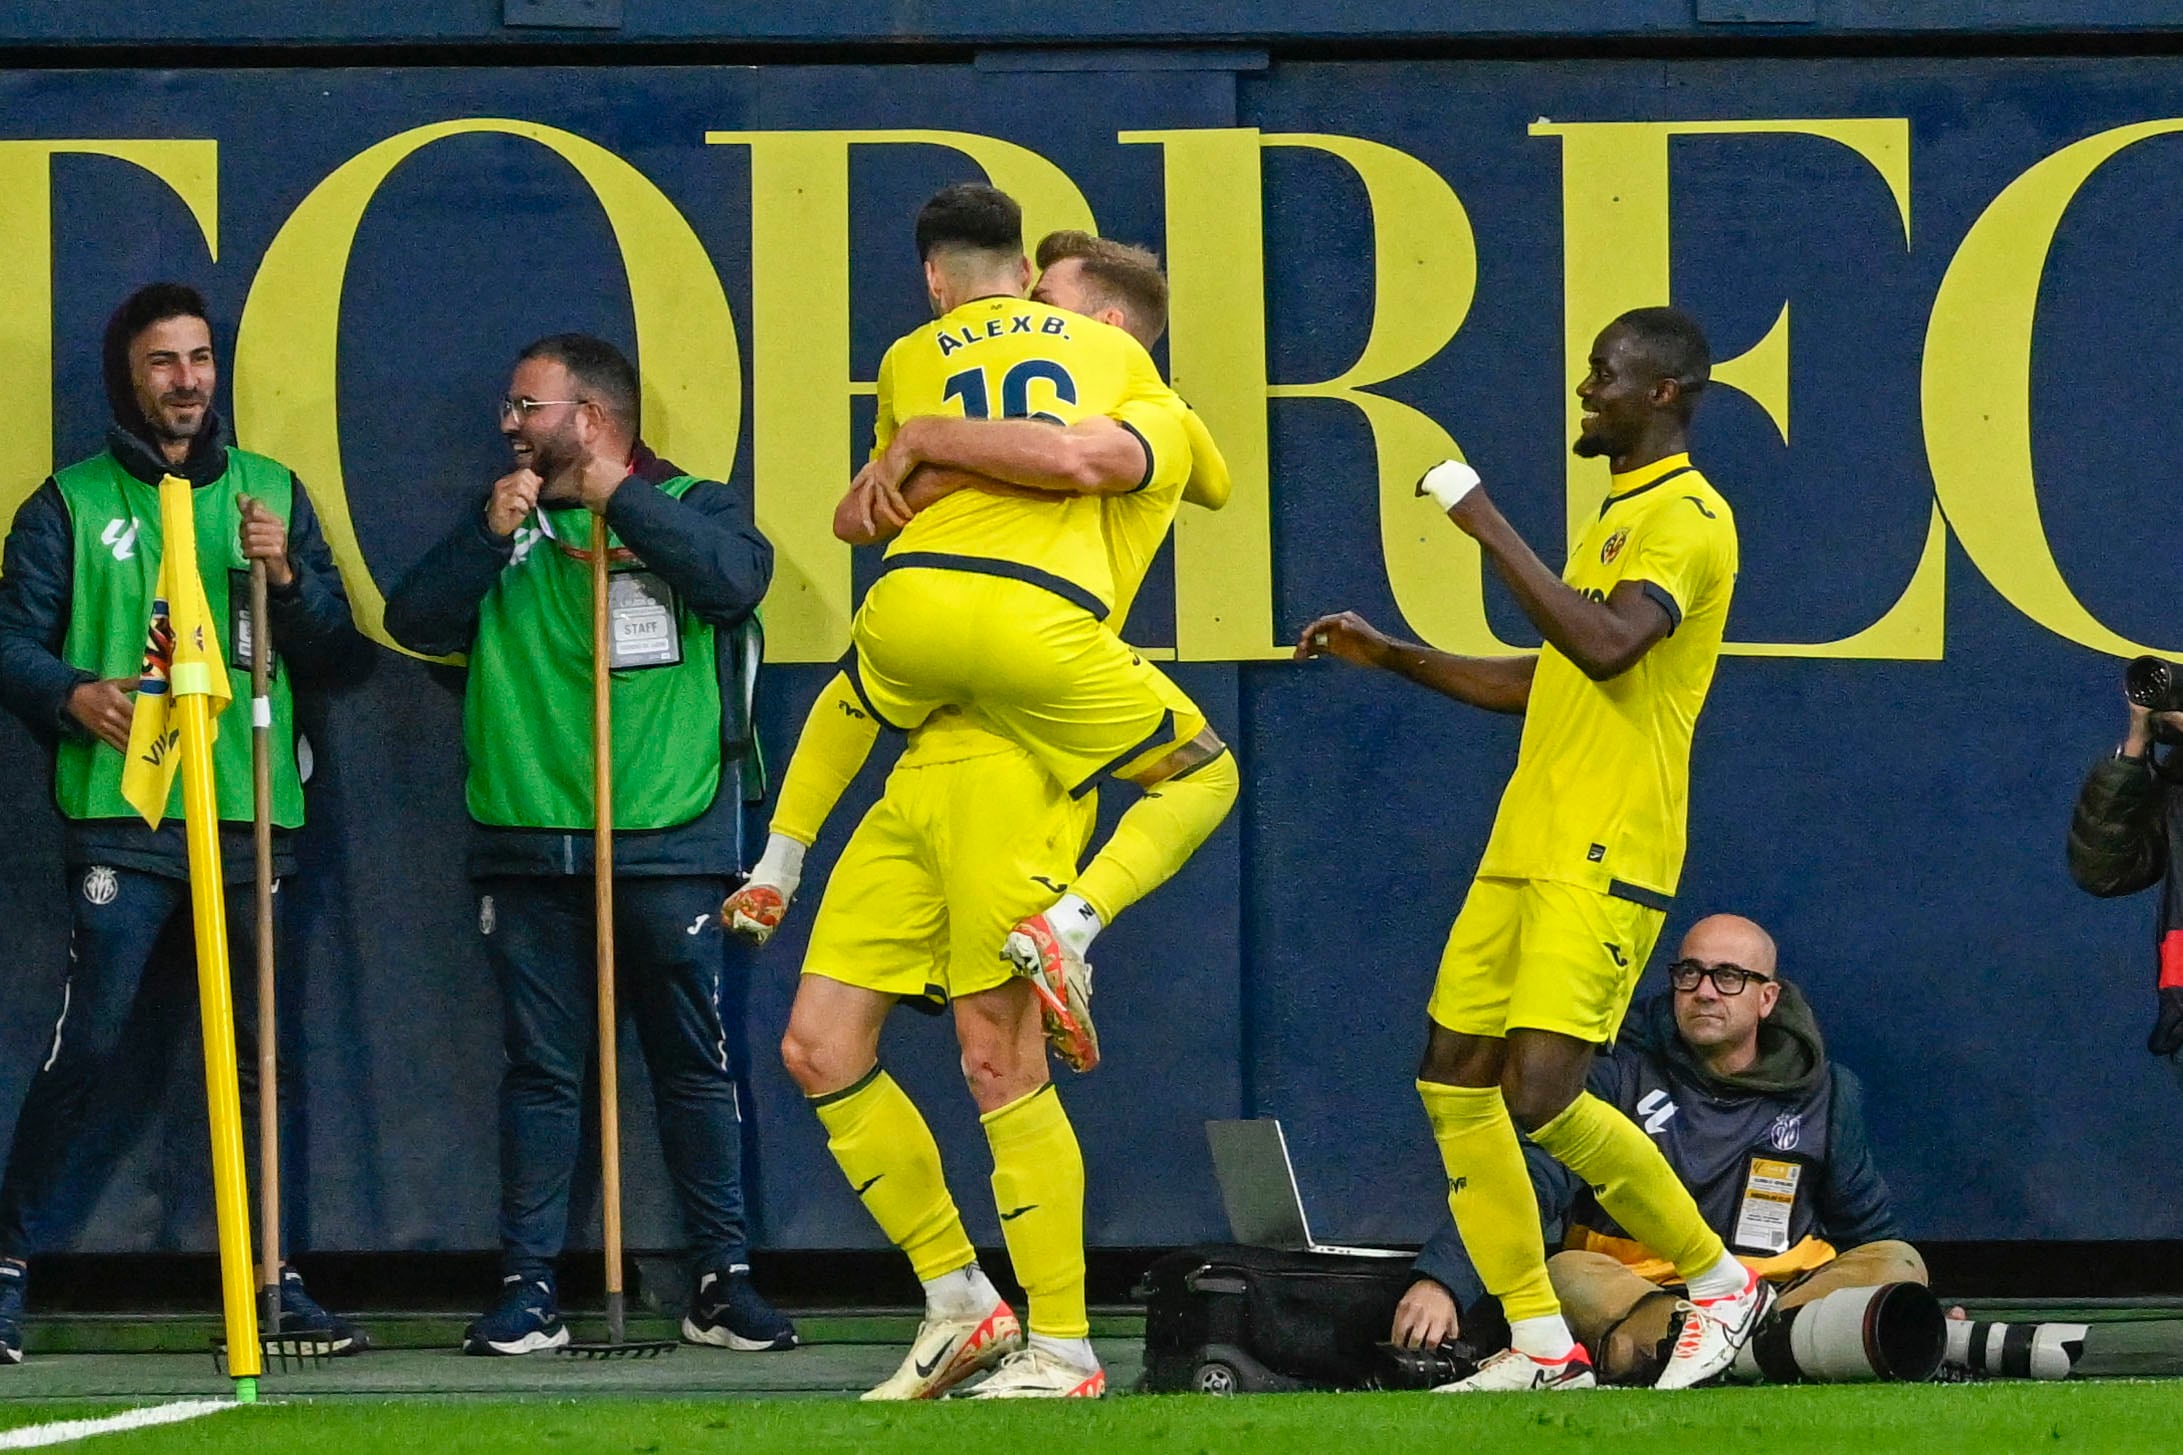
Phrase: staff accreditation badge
(1769, 1196)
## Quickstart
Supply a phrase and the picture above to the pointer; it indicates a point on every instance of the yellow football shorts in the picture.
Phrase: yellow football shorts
(1041, 666)
(941, 869)
(1533, 954)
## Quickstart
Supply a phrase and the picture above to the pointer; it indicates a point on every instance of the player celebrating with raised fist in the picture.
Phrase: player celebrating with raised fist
(1584, 856)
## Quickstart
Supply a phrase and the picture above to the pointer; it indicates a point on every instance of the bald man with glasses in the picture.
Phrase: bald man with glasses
(1727, 1073)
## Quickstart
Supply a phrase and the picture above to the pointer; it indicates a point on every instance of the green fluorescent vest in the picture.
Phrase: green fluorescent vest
(118, 544)
(526, 718)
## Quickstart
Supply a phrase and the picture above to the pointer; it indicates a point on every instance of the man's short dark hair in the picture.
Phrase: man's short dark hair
(1118, 275)
(970, 215)
(1676, 345)
(602, 373)
(150, 304)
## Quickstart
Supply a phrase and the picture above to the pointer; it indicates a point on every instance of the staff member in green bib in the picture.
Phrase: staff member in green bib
(82, 560)
(511, 586)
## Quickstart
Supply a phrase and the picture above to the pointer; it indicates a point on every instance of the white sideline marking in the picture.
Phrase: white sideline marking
(60, 1432)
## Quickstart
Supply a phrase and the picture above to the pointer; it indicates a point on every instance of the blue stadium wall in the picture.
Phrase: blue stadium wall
(1945, 282)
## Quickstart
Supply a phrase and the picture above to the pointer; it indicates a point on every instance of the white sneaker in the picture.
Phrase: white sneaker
(1714, 1331)
(754, 911)
(1513, 1370)
(948, 1351)
(1033, 1373)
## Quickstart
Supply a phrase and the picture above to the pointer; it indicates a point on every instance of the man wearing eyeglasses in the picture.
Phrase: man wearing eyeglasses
(1728, 1074)
(510, 585)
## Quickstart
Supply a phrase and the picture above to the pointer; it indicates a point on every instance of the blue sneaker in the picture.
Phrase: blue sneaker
(304, 1321)
(14, 1282)
(527, 1320)
(728, 1312)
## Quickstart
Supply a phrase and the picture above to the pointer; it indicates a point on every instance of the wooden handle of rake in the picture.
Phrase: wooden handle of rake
(602, 796)
(261, 767)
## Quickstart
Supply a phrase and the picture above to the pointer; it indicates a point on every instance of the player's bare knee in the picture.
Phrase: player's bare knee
(995, 1081)
(1534, 1101)
(1543, 1074)
(816, 1065)
(1002, 1061)
(1455, 1058)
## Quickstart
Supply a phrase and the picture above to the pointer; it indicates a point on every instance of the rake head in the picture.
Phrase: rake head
(284, 1352)
(622, 1349)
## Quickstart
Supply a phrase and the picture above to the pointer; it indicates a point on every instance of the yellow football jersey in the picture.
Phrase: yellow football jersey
(1134, 524)
(1012, 358)
(1601, 792)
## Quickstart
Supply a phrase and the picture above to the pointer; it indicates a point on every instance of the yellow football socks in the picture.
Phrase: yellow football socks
(837, 737)
(1038, 1186)
(1633, 1182)
(1157, 835)
(1489, 1191)
(876, 1134)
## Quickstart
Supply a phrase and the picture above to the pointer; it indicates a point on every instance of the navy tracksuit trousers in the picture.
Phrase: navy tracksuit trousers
(118, 919)
(669, 960)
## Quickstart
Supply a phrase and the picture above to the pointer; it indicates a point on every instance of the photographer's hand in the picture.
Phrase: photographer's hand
(1426, 1317)
(2139, 742)
(2147, 728)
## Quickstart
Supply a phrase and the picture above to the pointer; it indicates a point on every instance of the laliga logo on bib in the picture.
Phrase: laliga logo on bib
(1786, 1132)
(1612, 546)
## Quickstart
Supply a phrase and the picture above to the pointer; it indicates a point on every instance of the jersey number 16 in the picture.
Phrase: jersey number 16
(970, 387)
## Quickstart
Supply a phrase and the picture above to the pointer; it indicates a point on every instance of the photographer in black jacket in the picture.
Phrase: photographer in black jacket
(1729, 1074)
(2123, 838)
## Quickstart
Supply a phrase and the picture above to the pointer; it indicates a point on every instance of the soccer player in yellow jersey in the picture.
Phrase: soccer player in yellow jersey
(998, 601)
(971, 832)
(1584, 856)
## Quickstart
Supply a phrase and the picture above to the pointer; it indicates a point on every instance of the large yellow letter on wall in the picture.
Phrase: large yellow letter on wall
(801, 384)
(191, 168)
(1977, 387)
(1425, 273)
(1216, 355)
(1615, 258)
(286, 361)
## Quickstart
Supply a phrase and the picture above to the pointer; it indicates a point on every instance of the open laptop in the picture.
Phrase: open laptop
(1258, 1187)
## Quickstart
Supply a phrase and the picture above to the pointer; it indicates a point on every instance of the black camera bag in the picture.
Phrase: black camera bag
(1225, 1319)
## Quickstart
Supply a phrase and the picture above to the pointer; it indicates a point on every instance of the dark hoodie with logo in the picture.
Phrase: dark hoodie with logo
(311, 630)
(1776, 1156)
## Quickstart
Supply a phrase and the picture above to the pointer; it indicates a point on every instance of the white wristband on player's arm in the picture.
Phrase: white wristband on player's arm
(1448, 482)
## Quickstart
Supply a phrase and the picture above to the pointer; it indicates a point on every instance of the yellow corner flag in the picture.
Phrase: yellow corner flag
(181, 656)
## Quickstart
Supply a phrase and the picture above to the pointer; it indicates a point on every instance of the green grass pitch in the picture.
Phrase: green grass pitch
(1990, 1418)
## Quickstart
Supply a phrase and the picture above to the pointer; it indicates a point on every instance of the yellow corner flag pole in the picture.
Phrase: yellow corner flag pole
(198, 674)
(223, 1097)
